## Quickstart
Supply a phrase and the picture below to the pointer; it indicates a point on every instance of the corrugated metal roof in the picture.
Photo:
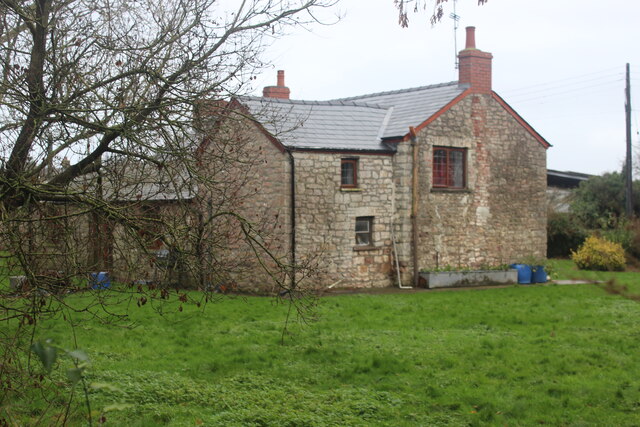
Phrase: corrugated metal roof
(356, 123)
(412, 106)
(569, 174)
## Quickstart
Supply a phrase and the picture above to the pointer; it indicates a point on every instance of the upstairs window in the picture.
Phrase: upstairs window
(364, 231)
(449, 167)
(349, 173)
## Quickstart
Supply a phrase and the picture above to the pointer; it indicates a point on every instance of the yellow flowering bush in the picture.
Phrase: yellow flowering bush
(599, 254)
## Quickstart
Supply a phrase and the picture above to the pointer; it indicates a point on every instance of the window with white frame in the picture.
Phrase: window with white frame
(364, 231)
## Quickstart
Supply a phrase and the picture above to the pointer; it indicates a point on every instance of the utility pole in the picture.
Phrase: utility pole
(629, 172)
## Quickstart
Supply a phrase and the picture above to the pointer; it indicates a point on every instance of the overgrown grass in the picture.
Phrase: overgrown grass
(521, 355)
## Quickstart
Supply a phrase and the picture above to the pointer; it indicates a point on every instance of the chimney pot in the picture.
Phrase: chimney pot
(474, 65)
(281, 78)
(471, 38)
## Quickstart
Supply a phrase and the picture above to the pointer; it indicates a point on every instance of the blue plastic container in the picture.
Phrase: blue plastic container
(538, 275)
(524, 273)
(99, 280)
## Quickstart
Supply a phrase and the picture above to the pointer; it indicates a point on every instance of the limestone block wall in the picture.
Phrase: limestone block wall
(514, 215)
(244, 172)
(500, 216)
(326, 215)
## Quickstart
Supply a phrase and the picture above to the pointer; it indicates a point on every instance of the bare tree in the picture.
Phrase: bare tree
(111, 86)
(436, 9)
(101, 152)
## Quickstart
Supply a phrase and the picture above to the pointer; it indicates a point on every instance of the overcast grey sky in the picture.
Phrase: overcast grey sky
(558, 63)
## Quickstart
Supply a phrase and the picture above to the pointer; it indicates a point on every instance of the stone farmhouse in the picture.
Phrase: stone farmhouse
(384, 185)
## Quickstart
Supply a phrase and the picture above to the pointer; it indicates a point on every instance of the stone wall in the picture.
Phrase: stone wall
(240, 180)
(326, 215)
(255, 177)
(500, 217)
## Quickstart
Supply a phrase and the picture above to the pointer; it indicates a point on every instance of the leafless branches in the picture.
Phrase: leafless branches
(102, 159)
(404, 6)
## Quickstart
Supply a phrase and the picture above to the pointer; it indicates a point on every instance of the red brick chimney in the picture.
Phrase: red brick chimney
(474, 65)
(280, 91)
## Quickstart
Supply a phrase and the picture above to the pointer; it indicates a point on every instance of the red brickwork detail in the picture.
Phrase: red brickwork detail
(279, 91)
(475, 69)
(276, 92)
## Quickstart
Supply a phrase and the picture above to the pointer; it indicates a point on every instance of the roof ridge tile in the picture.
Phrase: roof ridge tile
(332, 102)
(397, 91)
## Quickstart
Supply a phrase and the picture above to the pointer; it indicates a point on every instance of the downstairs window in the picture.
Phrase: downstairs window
(364, 231)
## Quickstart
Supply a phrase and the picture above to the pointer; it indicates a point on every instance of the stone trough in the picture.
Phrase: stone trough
(453, 279)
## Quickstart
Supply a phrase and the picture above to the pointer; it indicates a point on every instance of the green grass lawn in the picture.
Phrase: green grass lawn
(520, 355)
(566, 269)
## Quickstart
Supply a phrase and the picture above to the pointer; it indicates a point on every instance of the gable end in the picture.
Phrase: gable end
(245, 111)
(520, 120)
(438, 113)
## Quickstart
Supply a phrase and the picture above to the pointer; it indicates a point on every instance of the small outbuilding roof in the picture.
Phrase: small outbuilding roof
(565, 179)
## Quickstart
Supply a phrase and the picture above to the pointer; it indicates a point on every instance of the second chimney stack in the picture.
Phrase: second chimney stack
(474, 65)
(279, 91)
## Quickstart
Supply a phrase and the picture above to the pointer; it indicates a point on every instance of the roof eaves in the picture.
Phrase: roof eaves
(569, 174)
(388, 150)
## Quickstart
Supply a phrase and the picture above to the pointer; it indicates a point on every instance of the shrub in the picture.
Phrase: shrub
(627, 233)
(634, 238)
(618, 232)
(599, 254)
(601, 199)
(565, 233)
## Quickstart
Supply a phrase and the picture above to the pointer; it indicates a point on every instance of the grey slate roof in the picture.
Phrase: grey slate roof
(357, 123)
(412, 106)
(328, 125)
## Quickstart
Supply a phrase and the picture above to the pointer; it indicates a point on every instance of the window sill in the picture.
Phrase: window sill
(365, 248)
(450, 190)
(350, 189)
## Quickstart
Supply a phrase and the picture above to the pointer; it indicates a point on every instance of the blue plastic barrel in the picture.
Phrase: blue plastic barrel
(538, 274)
(100, 280)
(524, 273)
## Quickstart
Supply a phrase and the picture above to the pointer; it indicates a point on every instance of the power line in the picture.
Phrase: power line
(553, 86)
(574, 78)
(583, 90)
(568, 113)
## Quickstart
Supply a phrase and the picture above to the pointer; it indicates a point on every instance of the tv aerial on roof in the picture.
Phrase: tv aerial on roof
(456, 19)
